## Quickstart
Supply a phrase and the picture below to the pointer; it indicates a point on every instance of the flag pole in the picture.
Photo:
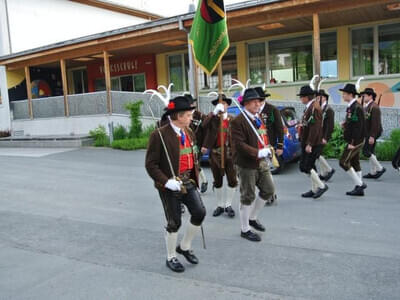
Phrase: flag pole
(221, 118)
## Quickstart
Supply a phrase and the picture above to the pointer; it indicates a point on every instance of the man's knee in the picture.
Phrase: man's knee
(174, 225)
(198, 216)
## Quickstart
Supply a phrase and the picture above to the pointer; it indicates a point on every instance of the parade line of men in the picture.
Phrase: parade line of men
(242, 148)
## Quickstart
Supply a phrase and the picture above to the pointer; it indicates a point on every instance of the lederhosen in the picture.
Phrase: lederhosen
(373, 128)
(354, 133)
(328, 124)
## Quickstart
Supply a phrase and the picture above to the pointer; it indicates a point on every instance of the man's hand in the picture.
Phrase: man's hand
(351, 147)
(173, 185)
(279, 152)
(204, 150)
(324, 142)
(308, 149)
(219, 108)
(371, 140)
(263, 153)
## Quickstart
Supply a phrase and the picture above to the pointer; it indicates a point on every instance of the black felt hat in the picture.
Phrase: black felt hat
(306, 91)
(323, 93)
(349, 88)
(369, 92)
(180, 103)
(190, 97)
(261, 92)
(250, 94)
(224, 98)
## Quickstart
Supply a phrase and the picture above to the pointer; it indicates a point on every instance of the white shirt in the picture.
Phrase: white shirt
(253, 117)
(309, 103)
(176, 128)
(323, 105)
(366, 105)
(351, 102)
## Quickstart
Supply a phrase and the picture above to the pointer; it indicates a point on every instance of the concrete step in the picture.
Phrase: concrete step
(46, 141)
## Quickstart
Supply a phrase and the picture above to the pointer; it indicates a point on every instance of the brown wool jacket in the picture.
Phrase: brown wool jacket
(157, 165)
(212, 130)
(311, 132)
(197, 126)
(244, 143)
(328, 125)
(373, 123)
(271, 117)
(354, 125)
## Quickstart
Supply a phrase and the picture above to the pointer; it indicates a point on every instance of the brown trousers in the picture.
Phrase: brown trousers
(218, 173)
(351, 158)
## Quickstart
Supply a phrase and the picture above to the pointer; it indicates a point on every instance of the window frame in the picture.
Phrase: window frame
(375, 27)
(288, 36)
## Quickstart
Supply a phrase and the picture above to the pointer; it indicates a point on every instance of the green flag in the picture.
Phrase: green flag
(209, 34)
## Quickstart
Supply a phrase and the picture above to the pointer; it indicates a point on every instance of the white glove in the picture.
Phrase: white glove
(173, 185)
(218, 108)
(263, 153)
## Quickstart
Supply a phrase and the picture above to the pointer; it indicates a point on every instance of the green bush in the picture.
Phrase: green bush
(101, 139)
(130, 144)
(134, 112)
(387, 149)
(120, 133)
(336, 145)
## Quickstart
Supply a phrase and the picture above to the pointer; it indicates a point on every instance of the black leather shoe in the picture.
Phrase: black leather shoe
(256, 225)
(369, 176)
(188, 254)
(364, 186)
(357, 191)
(251, 236)
(329, 175)
(175, 265)
(320, 192)
(379, 173)
(218, 211)
(322, 177)
(309, 194)
(229, 210)
(204, 187)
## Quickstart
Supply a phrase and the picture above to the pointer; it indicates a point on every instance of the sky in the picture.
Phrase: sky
(166, 8)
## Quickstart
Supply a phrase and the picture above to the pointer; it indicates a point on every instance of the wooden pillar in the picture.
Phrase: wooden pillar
(316, 45)
(29, 91)
(65, 86)
(108, 80)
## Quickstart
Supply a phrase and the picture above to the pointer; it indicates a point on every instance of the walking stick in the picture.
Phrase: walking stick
(221, 120)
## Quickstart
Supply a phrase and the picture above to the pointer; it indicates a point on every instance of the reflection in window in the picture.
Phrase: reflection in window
(363, 51)
(290, 60)
(257, 63)
(329, 67)
(389, 49)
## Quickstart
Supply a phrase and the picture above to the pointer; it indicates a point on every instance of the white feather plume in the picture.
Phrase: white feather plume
(358, 84)
(312, 82)
(238, 84)
(211, 94)
(320, 83)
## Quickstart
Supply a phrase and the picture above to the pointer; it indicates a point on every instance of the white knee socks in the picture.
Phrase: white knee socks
(244, 213)
(191, 231)
(352, 173)
(375, 165)
(219, 195)
(170, 241)
(315, 179)
(230, 193)
(325, 167)
(257, 206)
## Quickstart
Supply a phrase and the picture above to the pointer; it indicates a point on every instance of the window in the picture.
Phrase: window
(178, 66)
(79, 79)
(229, 72)
(389, 49)
(257, 63)
(363, 51)
(329, 67)
(290, 60)
(126, 83)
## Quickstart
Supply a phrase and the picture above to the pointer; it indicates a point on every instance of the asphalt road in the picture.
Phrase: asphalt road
(88, 224)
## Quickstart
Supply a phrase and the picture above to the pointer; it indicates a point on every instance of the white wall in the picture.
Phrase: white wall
(4, 49)
(35, 23)
(72, 125)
